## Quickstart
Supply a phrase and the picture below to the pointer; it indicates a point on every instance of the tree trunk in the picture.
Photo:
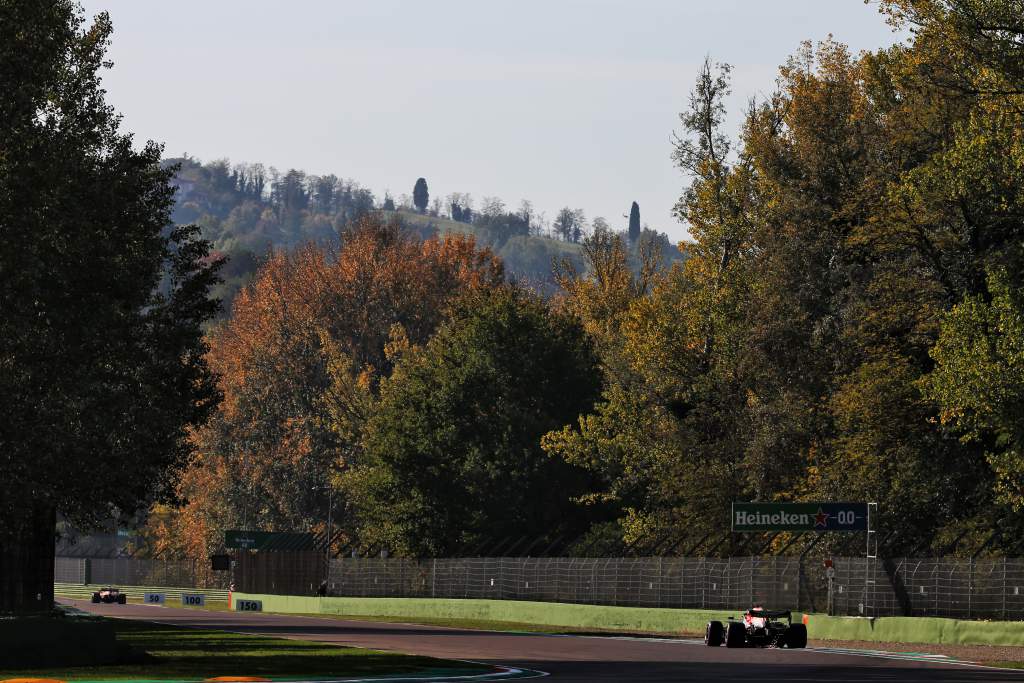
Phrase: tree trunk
(26, 560)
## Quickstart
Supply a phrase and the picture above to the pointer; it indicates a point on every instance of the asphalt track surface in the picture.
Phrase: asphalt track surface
(577, 659)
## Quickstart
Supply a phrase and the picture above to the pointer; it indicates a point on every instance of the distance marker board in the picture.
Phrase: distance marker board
(154, 599)
(193, 600)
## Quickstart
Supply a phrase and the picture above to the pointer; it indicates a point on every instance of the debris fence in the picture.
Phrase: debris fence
(945, 587)
(137, 572)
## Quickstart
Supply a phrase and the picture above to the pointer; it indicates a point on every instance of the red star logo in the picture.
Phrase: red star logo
(821, 519)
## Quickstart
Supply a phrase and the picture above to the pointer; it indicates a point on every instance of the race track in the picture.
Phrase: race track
(578, 659)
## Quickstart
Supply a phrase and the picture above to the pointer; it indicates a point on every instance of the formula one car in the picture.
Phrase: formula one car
(110, 595)
(758, 628)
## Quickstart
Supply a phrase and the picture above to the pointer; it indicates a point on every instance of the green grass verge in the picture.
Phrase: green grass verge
(508, 626)
(933, 630)
(182, 653)
(547, 615)
(554, 617)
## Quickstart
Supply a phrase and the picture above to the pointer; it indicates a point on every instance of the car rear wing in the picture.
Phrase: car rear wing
(768, 614)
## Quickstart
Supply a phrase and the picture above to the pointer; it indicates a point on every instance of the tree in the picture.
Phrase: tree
(634, 222)
(492, 206)
(526, 214)
(102, 370)
(453, 456)
(979, 379)
(579, 225)
(569, 224)
(389, 202)
(300, 361)
(420, 196)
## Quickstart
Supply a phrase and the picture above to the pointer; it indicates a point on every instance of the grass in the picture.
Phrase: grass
(509, 626)
(182, 653)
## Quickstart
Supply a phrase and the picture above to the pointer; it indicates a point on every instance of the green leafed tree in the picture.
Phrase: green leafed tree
(102, 367)
(979, 380)
(453, 458)
(420, 195)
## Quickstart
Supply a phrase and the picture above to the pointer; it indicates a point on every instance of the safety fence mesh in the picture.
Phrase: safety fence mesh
(945, 587)
(137, 572)
(949, 587)
(645, 582)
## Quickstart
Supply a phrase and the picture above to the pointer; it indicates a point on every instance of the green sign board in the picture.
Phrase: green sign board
(245, 540)
(269, 540)
(799, 516)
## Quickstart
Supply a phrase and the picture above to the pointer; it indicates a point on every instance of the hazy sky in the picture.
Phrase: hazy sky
(563, 102)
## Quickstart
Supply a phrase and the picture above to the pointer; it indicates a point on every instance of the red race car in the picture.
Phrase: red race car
(757, 628)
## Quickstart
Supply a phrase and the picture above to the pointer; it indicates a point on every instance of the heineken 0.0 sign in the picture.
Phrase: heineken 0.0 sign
(799, 516)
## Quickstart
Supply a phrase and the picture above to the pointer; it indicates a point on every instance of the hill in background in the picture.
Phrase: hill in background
(246, 210)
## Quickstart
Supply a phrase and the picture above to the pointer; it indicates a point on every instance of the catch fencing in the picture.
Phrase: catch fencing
(945, 587)
(643, 582)
(991, 588)
(136, 572)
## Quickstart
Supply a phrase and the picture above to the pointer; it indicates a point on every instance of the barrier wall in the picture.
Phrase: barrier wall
(916, 630)
(84, 592)
(598, 617)
(646, 620)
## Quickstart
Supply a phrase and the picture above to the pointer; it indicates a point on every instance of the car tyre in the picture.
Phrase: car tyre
(736, 636)
(122, 599)
(95, 599)
(796, 636)
(715, 634)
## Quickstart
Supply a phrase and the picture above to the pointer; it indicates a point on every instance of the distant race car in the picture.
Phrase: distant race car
(110, 595)
(758, 628)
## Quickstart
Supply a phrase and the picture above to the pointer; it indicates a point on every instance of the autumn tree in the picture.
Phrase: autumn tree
(300, 360)
(101, 350)
(964, 205)
(793, 356)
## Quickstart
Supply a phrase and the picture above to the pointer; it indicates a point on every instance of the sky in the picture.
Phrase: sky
(562, 102)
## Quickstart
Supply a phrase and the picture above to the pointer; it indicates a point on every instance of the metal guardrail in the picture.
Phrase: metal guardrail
(84, 591)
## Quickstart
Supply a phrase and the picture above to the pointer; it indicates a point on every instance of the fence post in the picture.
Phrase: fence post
(615, 583)
(702, 574)
(800, 584)
(751, 579)
(661, 569)
(1004, 589)
(433, 578)
(970, 588)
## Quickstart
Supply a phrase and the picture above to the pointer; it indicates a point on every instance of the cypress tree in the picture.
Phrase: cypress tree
(420, 196)
(634, 222)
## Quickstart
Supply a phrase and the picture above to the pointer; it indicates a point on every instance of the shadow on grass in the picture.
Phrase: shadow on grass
(159, 651)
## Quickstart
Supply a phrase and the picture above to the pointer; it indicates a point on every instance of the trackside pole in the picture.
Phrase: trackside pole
(871, 553)
(871, 532)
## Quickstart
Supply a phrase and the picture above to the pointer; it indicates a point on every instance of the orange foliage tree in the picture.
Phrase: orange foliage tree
(299, 361)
